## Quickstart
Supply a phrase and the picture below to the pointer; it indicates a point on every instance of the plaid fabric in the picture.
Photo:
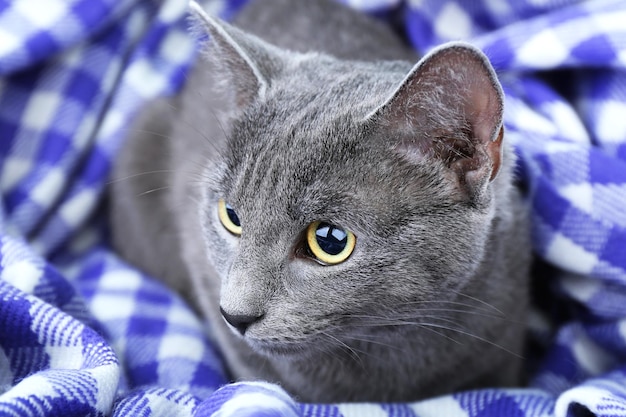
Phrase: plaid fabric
(81, 333)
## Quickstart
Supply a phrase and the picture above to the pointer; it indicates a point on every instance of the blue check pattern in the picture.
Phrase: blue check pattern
(84, 334)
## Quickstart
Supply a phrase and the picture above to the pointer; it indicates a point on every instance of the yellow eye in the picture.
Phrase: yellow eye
(228, 217)
(328, 243)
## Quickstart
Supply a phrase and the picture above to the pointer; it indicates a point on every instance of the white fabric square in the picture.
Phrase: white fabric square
(42, 14)
(543, 50)
(48, 188)
(568, 255)
(41, 109)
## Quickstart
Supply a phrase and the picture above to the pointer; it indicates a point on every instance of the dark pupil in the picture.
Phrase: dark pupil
(331, 239)
(232, 215)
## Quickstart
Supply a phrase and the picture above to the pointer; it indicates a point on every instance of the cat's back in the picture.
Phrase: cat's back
(323, 26)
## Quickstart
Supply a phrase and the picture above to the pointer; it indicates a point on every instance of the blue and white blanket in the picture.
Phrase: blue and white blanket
(82, 333)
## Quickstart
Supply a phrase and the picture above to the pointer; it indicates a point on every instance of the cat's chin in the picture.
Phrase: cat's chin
(273, 349)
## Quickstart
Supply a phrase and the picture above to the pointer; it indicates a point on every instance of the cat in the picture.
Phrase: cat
(344, 219)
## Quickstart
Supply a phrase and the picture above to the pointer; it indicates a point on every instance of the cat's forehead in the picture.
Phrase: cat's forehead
(292, 152)
(329, 86)
(298, 129)
(317, 106)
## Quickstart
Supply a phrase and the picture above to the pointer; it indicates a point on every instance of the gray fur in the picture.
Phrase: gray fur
(409, 158)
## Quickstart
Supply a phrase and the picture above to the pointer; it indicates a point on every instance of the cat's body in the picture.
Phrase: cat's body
(434, 295)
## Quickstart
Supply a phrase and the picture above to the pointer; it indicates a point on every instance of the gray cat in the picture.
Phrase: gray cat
(343, 219)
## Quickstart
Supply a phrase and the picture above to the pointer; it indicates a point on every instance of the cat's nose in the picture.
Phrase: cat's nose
(241, 322)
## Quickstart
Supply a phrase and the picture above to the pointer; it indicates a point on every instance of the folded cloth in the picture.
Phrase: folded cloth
(83, 333)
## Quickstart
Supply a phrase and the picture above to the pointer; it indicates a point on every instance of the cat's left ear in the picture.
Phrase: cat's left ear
(449, 106)
(246, 60)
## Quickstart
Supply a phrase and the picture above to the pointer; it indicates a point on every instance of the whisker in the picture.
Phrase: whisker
(420, 313)
(353, 352)
(407, 323)
(475, 313)
(151, 132)
(478, 300)
(482, 339)
(153, 190)
(374, 340)
(424, 327)
(128, 177)
(455, 303)
(415, 321)
(200, 133)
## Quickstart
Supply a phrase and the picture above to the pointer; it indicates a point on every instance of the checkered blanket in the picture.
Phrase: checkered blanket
(82, 333)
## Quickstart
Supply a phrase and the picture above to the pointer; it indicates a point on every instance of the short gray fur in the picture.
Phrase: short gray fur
(434, 297)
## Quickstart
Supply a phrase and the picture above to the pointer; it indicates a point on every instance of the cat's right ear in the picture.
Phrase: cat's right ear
(450, 107)
(246, 59)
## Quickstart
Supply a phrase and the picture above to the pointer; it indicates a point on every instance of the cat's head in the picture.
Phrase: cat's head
(349, 191)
